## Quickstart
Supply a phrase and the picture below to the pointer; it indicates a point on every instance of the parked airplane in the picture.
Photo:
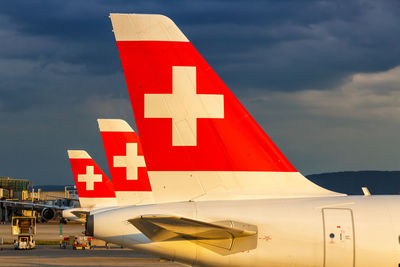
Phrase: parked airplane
(95, 190)
(246, 205)
(46, 211)
(130, 185)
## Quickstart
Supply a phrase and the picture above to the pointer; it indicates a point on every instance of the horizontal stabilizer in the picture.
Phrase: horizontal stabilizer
(163, 228)
(81, 214)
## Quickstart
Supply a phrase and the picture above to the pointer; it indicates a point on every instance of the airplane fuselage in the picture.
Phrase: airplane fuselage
(336, 231)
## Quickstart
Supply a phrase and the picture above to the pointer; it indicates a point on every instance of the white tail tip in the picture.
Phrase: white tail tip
(114, 125)
(144, 27)
(78, 154)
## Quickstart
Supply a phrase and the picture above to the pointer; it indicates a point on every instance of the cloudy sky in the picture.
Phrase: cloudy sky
(321, 77)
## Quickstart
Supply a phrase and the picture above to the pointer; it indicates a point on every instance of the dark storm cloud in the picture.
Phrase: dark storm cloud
(60, 68)
(302, 44)
(315, 43)
(68, 31)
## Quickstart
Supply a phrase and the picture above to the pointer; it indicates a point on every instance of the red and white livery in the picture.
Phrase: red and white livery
(126, 162)
(200, 142)
(95, 190)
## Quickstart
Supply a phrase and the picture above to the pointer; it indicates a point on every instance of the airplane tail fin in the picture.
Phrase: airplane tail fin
(93, 186)
(126, 162)
(196, 134)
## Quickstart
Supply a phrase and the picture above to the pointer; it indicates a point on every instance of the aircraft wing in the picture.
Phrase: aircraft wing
(32, 204)
(163, 228)
(69, 198)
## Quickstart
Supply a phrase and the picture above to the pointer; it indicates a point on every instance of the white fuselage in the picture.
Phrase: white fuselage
(334, 231)
(69, 215)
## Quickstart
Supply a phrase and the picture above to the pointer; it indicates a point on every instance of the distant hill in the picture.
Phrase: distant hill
(350, 182)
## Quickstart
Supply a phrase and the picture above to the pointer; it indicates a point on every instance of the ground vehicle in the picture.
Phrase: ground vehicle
(24, 242)
(66, 241)
(81, 242)
(24, 228)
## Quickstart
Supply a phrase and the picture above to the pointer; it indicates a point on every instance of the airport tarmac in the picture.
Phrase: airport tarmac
(54, 256)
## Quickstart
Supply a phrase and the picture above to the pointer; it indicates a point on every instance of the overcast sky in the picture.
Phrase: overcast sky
(321, 77)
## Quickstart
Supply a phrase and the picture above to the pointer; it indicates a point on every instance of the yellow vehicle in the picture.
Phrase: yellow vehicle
(24, 227)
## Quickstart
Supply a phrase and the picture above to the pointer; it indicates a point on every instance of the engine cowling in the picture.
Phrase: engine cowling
(47, 214)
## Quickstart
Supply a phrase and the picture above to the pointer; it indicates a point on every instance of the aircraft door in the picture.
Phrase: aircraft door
(338, 237)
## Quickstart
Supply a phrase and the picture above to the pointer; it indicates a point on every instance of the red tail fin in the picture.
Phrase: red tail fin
(198, 139)
(126, 161)
(175, 92)
(93, 186)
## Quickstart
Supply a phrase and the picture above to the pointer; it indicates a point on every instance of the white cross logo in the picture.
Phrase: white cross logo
(132, 161)
(90, 178)
(184, 106)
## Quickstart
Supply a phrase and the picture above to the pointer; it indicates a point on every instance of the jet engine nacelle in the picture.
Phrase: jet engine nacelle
(47, 214)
